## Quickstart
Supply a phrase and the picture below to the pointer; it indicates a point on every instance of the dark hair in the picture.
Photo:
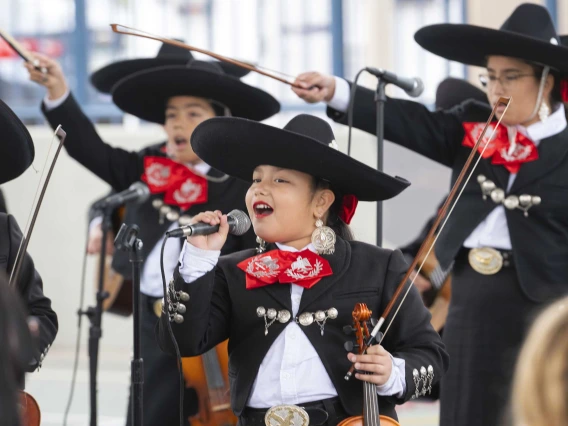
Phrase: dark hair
(340, 228)
(556, 93)
(221, 110)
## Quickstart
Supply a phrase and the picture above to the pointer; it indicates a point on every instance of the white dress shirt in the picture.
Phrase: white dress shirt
(493, 231)
(291, 372)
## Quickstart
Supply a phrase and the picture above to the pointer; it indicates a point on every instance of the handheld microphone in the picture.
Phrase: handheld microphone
(239, 223)
(412, 86)
(137, 192)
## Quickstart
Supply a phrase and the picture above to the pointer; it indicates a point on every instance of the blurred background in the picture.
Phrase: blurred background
(292, 36)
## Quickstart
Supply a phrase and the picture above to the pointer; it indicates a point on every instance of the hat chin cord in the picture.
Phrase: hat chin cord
(540, 93)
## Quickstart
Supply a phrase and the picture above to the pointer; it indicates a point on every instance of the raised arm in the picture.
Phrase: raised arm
(118, 167)
(436, 135)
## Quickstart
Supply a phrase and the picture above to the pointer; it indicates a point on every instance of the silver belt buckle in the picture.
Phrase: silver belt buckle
(286, 415)
(485, 260)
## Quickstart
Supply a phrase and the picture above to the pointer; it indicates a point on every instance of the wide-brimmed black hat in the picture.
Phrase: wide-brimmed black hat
(17, 148)
(106, 77)
(527, 34)
(237, 146)
(145, 93)
(454, 91)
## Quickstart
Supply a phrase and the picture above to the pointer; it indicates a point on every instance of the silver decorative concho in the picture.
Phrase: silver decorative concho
(286, 415)
(522, 202)
(424, 377)
(270, 315)
(320, 317)
(171, 304)
(170, 213)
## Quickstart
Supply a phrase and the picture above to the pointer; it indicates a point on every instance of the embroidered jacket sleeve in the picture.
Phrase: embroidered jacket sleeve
(411, 337)
(207, 318)
(436, 135)
(116, 166)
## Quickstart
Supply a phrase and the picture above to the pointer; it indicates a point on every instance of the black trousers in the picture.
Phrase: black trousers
(161, 377)
(487, 321)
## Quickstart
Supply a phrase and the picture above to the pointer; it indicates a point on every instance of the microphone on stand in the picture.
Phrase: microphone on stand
(239, 223)
(137, 192)
(412, 86)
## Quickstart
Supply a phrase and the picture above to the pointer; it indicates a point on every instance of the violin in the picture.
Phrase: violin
(29, 409)
(438, 301)
(208, 374)
(370, 417)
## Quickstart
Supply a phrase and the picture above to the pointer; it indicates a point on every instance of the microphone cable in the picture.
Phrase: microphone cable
(172, 337)
(350, 109)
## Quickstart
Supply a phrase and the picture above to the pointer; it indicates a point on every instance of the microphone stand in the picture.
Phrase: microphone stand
(380, 100)
(127, 240)
(94, 314)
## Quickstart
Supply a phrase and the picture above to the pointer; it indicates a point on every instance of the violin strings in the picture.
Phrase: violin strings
(444, 223)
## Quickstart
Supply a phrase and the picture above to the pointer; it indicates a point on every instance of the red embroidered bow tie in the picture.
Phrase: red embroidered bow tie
(181, 187)
(500, 148)
(304, 268)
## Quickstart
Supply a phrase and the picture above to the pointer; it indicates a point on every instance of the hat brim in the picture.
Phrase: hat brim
(145, 94)
(237, 146)
(105, 78)
(471, 45)
(17, 147)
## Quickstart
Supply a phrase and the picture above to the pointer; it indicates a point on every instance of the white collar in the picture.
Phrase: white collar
(202, 167)
(554, 124)
(292, 249)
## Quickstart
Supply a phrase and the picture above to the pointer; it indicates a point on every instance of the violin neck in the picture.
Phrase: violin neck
(214, 375)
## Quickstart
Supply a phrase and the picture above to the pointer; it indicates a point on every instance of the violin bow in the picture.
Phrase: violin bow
(59, 132)
(424, 248)
(21, 50)
(122, 29)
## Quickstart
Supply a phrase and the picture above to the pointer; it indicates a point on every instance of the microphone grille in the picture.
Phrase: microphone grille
(241, 222)
(142, 191)
(417, 89)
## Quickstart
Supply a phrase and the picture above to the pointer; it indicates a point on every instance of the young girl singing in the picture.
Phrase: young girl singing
(284, 308)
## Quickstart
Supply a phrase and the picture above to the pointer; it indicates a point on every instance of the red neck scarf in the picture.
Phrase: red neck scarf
(509, 152)
(181, 186)
(304, 268)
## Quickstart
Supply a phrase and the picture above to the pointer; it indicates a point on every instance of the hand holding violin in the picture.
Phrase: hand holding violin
(376, 361)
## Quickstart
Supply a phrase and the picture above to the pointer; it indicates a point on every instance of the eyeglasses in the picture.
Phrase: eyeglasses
(506, 81)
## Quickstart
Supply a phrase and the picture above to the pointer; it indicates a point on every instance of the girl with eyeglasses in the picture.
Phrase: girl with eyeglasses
(507, 237)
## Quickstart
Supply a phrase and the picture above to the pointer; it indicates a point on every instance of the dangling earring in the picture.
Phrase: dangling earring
(323, 238)
(543, 111)
(261, 245)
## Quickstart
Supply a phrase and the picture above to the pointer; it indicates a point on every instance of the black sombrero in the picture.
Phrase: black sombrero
(454, 91)
(17, 148)
(527, 34)
(145, 93)
(106, 77)
(237, 146)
